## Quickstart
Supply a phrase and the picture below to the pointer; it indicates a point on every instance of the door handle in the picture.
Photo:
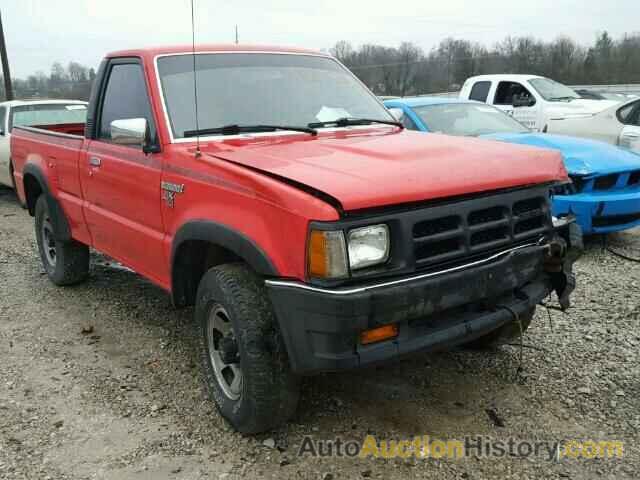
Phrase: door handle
(95, 161)
(631, 135)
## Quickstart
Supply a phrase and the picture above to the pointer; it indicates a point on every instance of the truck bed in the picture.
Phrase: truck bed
(55, 150)
(67, 128)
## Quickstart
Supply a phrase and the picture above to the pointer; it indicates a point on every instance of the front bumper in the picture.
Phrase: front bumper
(435, 310)
(601, 212)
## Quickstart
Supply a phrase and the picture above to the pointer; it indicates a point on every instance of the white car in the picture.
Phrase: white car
(530, 99)
(49, 113)
(619, 125)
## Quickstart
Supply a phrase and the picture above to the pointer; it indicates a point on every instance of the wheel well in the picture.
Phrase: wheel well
(32, 190)
(191, 261)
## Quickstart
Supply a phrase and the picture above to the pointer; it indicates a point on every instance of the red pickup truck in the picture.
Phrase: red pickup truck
(312, 233)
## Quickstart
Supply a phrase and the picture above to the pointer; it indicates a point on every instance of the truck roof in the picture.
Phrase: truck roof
(152, 52)
(509, 77)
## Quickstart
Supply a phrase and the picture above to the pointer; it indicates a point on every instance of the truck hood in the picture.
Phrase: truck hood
(581, 156)
(577, 108)
(384, 167)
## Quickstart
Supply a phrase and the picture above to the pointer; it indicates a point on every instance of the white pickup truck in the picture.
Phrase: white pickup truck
(530, 99)
(64, 116)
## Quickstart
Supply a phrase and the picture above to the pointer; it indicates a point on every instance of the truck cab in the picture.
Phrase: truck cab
(271, 190)
(531, 99)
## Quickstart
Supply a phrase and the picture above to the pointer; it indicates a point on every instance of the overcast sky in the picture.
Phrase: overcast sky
(40, 32)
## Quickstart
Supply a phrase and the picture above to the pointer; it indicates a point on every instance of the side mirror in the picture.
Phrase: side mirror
(133, 132)
(397, 113)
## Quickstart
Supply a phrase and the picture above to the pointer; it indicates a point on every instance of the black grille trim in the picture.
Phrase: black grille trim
(605, 182)
(615, 220)
(481, 225)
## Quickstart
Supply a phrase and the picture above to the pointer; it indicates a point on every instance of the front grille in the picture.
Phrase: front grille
(489, 236)
(615, 220)
(634, 178)
(433, 227)
(487, 215)
(605, 182)
(472, 227)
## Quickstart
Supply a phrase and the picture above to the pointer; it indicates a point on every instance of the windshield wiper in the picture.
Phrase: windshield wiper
(348, 121)
(238, 129)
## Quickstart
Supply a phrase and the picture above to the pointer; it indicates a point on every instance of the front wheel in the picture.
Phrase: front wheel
(66, 263)
(243, 355)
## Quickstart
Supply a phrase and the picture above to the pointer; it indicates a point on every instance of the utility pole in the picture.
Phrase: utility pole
(236, 34)
(8, 87)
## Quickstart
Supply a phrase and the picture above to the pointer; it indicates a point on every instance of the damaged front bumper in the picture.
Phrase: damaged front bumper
(601, 212)
(435, 310)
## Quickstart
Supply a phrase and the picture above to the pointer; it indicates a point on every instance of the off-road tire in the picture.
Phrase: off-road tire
(508, 333)
(71, 264)
(269, 392)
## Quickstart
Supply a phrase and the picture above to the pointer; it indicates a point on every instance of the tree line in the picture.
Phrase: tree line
(409, 70)
(71, 82)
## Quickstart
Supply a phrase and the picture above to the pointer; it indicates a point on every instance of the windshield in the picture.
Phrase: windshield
(261, 88)
(552, 90)
(47, 114)
(467, 119)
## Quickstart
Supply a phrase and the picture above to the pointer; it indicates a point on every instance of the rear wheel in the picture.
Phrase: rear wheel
(66, 263)
(505, 334)
(243, 356)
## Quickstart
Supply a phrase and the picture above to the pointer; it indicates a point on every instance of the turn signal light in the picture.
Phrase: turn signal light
(327, 255)
(379, 334)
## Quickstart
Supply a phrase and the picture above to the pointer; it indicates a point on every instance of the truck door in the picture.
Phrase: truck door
(516, 100)
(121, 183)
(630, 135)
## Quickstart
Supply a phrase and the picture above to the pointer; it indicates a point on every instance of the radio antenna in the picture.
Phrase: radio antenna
(195, 80)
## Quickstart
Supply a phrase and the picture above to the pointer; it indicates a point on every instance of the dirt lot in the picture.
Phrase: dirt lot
(102, 381)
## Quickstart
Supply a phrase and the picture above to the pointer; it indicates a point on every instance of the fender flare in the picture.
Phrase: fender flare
(61, 228)
(225, 237)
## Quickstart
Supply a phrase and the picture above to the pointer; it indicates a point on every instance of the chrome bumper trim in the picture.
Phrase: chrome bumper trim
(353, 290)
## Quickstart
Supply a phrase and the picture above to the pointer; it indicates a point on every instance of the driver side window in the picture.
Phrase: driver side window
(508, 93)
(125, 97)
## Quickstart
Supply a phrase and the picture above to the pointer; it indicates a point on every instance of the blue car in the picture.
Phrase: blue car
(605, 195)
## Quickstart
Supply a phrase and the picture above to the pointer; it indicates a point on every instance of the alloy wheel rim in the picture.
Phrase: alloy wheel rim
(49, 242)
(228, 375)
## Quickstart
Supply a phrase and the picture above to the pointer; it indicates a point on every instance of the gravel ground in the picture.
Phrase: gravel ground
(102, 381)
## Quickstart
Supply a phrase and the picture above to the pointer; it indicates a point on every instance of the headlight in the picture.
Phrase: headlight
(327, 251)
(368, 246)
